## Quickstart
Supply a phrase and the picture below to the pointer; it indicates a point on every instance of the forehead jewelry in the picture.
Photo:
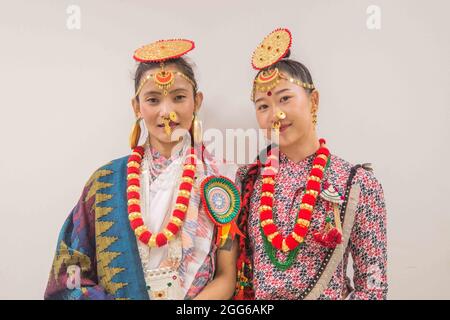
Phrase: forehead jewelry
(272, 49)
(162, 51)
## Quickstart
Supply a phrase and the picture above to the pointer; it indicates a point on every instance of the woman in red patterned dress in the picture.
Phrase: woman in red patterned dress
(305, 210)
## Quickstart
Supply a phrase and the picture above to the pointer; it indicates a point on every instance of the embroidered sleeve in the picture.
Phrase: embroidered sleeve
(73, 275)
(368, 243)
(240, 175)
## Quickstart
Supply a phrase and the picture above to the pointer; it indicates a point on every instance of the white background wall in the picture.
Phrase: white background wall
(65, 110)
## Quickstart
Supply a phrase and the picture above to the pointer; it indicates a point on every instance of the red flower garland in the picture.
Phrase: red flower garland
(313, 188)
(182, 203)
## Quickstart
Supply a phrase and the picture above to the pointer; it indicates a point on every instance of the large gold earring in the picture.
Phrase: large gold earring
(197, 129)
(314, 115)
(135, 133)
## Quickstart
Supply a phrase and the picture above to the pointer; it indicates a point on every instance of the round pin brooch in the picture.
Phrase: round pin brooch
(221, 200)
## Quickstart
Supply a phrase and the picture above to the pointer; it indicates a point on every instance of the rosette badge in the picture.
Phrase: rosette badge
(222, 202)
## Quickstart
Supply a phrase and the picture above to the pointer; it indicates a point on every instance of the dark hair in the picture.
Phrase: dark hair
(181, 63)
(294, 68)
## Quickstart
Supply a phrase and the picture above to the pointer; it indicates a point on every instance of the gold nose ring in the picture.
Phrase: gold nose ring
(280, 115)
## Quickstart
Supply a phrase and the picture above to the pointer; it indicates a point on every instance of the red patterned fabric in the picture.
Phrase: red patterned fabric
(367, 244)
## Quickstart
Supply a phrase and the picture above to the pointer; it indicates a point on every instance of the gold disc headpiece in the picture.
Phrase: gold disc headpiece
(161, 51)
(272, 49)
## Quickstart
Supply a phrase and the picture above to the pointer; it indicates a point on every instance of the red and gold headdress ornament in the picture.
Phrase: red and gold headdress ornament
(272, 49)
(161, 51)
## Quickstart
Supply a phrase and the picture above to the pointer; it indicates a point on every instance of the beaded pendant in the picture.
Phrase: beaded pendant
(331, 236)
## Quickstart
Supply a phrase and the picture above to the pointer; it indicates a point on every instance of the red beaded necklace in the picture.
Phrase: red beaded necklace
(182, 203)
(313, 188)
